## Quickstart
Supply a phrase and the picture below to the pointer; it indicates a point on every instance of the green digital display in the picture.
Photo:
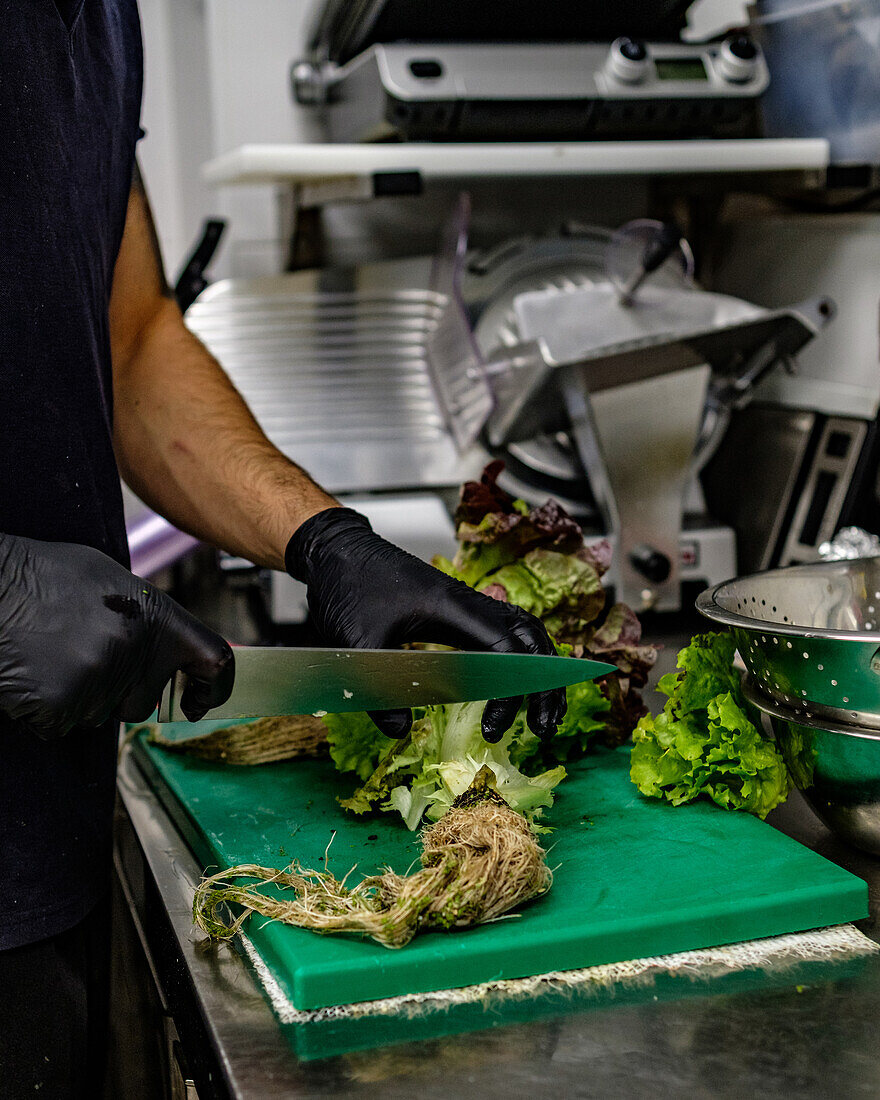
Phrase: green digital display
(680, 68)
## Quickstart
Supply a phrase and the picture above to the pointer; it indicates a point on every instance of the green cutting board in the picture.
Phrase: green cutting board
(633, 877)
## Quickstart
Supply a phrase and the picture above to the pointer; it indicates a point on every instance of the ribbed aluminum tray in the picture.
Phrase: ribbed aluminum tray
(338, 380)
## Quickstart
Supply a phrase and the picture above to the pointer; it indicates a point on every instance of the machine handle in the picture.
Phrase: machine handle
(191, 281)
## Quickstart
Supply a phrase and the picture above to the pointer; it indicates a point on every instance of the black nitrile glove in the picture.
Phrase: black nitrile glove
(83, 639)
(366, 593)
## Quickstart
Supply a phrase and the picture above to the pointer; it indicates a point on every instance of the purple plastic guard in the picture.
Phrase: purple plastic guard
(154, 543)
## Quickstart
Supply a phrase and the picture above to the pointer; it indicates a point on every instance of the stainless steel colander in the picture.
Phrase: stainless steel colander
(809, 635)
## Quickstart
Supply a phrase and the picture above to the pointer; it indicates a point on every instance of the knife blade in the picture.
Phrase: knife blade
(275, 681)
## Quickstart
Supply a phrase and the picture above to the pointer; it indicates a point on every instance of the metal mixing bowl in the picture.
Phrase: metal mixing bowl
(809, 636)
(834, 765)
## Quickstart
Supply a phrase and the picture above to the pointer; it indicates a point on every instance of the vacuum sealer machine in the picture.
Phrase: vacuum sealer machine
(459, 71)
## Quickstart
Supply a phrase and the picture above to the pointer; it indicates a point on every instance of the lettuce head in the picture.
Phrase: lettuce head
(703, 743)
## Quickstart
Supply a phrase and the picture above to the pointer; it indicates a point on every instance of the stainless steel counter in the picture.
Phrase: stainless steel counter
(810, 1032)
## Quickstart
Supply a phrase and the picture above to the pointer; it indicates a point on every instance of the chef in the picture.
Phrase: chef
(99, 376)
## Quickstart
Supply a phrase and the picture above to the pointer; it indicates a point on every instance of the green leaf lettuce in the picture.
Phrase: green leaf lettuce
(424, 772)
(703, 744)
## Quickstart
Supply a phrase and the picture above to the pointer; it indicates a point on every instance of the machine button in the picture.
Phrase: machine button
(426, 69)
(738, 58)
(628, 60)
(743, 47)
(632, 50)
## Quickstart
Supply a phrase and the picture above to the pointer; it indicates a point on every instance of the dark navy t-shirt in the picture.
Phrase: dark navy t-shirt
(70, 94)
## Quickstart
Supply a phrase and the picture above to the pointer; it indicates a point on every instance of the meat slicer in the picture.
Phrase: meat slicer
(611, 385)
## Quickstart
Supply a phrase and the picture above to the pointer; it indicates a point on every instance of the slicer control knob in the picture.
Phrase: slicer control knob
(306, 80)
(650, 562)
(628, 60)
(738, 58)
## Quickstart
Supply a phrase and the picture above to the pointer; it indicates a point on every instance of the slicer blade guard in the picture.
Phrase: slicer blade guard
(455, 365)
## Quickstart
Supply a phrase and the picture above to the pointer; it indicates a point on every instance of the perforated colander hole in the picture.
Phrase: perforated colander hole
(834, 683)
(788, 645)
(869, 626)
(871, 608)
(785, 618)
(774, 609)
(853, 714)
(763, 638)
(846, 698)
(821, 668)
(806, 656)
(776, 641)
(805, 695)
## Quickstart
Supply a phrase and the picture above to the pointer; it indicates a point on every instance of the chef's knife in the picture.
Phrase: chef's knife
(272, 680)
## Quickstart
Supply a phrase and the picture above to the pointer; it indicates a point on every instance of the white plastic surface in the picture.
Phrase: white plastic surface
(315, 163)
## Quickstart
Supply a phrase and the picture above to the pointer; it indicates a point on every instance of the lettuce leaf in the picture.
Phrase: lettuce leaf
(551, 586)
(423, 773)
(706, 672)
(703, 743)
(354, 744)
(493, 529)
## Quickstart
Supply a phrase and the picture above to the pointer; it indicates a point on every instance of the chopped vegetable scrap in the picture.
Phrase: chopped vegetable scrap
(703, 742)
(479, 862)
(260, 742)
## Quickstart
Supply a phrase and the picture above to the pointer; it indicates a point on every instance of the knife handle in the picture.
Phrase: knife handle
(169, 704)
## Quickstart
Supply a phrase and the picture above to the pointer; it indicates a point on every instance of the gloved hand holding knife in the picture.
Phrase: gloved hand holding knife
(367, 593)
(82, 639)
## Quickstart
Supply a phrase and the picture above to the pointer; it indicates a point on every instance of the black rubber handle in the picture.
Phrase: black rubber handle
(191, 281)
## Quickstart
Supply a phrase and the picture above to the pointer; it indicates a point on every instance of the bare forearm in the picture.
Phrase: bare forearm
(189, 447)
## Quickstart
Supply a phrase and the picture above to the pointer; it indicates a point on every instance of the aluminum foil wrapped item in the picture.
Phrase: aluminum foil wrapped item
(850, 542)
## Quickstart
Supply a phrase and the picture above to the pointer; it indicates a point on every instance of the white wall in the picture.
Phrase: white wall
(176, 117)
(250, 48)
(216, 76)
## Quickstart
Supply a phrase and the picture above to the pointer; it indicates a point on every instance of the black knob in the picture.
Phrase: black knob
(631, 49)
(743, 47)
(661, 247)
(651, 563)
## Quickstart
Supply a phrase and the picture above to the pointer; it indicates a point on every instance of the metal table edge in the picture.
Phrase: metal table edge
(219, 984)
